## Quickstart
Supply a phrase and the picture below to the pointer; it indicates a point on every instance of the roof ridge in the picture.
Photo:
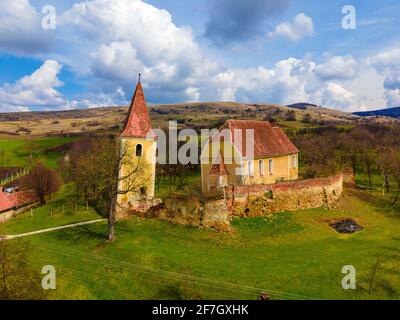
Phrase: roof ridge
(269, 140)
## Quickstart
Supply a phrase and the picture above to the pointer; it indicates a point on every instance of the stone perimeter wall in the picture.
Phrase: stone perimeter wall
(260, 200)
(249, 201)
(189, 210)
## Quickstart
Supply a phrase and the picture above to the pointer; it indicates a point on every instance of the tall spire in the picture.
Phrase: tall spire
(137, 124)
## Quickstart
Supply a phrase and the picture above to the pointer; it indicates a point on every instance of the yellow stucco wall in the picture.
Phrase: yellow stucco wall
(284, 168)
(147, 162)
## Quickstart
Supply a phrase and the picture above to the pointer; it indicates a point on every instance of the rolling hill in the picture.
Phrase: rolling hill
(188, 115)
(389, 112)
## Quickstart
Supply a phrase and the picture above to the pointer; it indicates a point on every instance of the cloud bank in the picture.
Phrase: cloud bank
(110, 42)
(20, 29)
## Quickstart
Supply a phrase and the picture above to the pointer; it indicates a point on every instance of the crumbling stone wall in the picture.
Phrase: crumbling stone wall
(259, 200)
(138, 207)
(349, 178)
(189, 210)
(216, 215)
(246, 201)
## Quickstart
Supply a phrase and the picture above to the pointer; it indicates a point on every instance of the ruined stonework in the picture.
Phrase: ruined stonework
(259, 200)
(217, 215)
(244, 201)
(349, 178)
(136, 207)
(189, 210)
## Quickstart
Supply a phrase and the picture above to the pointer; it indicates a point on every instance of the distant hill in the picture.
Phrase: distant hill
(187, 115)
(390, 112)
(301, 105)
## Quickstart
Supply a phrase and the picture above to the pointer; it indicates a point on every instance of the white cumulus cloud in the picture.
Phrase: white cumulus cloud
(337, 97)
(387, 64)
(301, 27)
(110, 42)
(20, 28)
(289, 81)
(35, 90)
(338, 68)
(115, 40)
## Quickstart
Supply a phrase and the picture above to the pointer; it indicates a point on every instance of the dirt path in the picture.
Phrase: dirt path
(10, 237)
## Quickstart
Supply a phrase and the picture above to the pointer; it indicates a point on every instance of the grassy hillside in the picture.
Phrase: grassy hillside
(292, 256)
(14, 152)
(194, 115)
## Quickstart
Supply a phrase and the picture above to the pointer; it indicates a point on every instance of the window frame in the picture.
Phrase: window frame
(137, 147)
(250, 168)
(270, 167)
(261, 168)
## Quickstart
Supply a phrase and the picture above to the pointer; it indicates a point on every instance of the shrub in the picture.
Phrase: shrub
(269, 194)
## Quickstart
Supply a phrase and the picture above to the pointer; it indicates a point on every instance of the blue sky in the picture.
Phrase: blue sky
(259, 51)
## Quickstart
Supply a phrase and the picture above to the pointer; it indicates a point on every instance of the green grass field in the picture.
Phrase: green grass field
(16, 151)
(63, 209)
(292, 256)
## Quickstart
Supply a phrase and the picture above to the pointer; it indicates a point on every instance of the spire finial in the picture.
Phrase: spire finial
(140, 75)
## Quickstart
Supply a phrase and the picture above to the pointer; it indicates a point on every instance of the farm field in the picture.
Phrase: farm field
(22, 125)
(16, 151)
(292, 256)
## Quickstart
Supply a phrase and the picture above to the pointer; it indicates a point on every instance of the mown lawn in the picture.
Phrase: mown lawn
(293, 256)
(63, 209)
(16, 151)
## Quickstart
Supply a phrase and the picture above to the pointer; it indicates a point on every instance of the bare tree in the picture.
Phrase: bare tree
(31, 149)
(318, 154)
(43, 181)
(394, 160)
(106, 171)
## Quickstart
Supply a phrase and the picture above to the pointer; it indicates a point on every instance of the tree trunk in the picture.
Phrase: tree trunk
(387, 185)
(369, 174)
(111, 222)
(42, 200)
(397, 194)
(354, 167)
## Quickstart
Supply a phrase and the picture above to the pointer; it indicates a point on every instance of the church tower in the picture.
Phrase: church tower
(140, 146)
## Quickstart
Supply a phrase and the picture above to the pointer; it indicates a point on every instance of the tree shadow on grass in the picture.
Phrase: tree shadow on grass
(384, 205)
(82, 234)
(382, 280)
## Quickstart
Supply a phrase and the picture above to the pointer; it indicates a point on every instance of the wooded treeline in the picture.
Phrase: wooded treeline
(373, 150)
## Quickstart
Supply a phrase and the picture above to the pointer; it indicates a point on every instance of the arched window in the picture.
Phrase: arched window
(270, 166)
(294, 161)
(250, 167)
(261, 167)
(139, 150)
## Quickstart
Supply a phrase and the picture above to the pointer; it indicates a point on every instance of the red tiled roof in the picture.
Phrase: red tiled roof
(218, 167)
(137, 124)
(269, 141)
(5, 202)
(16, 200)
